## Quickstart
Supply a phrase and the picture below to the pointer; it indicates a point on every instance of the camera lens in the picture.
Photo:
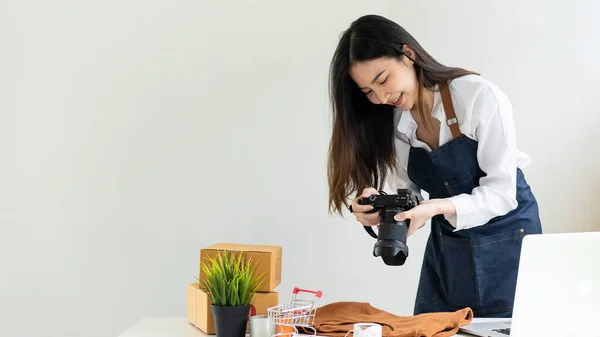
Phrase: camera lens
(372, 197)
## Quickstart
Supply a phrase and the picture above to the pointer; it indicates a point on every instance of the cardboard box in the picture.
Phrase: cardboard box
(266, 258)
(200, 307)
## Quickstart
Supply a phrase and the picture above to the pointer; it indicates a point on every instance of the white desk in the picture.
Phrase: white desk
(180, 327)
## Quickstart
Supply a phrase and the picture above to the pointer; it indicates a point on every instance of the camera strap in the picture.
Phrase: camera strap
(371, 232)
(369, 229)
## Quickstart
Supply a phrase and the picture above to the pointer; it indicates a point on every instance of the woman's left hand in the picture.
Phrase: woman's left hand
(427, 209)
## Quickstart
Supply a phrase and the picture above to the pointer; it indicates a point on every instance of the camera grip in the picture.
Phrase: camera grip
(368, 201)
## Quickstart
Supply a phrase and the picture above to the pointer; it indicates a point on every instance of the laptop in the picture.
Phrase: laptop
(557, 292)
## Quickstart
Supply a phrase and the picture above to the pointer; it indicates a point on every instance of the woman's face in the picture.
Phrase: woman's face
(387, 81)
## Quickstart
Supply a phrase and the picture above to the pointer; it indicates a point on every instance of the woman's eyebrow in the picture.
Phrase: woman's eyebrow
(375, 78)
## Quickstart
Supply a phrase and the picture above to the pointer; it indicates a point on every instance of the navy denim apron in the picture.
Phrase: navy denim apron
(475, 267)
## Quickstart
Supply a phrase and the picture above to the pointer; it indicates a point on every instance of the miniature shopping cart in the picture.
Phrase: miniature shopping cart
(287, 317)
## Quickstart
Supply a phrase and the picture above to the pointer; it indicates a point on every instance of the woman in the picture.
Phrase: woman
(401, 117)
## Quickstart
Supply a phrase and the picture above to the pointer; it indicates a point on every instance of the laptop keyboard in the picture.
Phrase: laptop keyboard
(505, 331)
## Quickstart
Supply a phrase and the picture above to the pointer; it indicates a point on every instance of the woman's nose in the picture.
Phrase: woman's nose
(383, 97)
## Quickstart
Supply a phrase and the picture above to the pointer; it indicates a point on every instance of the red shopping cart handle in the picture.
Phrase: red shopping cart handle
(318, 293)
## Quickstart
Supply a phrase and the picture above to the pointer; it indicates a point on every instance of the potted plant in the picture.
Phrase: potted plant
(231, 283)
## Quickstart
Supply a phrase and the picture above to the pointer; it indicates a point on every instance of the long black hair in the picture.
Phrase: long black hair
(361, 150)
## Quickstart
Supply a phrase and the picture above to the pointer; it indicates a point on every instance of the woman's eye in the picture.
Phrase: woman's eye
(385, 80)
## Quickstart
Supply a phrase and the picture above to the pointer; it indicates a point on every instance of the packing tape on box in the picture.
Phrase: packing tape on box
(366, 330)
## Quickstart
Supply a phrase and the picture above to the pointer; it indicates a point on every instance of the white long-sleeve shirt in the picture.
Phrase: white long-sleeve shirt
(484, 114)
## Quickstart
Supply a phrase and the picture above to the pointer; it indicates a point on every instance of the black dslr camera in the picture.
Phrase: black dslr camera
(391, 243)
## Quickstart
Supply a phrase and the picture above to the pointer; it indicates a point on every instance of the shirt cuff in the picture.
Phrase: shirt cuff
(452, 219)
(464, 208)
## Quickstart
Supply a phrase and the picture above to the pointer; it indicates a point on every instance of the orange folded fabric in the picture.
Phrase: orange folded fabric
(336, 319)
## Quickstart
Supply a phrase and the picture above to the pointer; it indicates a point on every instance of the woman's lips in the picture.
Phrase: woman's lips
(399, 100)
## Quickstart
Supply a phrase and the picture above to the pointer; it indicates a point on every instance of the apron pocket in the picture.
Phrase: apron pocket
(465, 183)
(496, 263)
(456, 272)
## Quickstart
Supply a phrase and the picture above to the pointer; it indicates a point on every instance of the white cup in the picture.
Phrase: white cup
(260, 326)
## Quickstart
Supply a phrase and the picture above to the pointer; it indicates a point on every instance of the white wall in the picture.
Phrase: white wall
(133, 133)
(544, 55)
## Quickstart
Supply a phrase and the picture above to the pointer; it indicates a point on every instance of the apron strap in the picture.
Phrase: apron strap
(449, 109)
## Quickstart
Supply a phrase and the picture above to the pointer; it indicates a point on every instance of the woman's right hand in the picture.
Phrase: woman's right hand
(366, 219)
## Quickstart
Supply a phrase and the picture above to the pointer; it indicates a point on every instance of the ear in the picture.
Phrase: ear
(409, 54)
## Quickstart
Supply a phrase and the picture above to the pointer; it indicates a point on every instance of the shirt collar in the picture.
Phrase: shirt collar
(406, 124)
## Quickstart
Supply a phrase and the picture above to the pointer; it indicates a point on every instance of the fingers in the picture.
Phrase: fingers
(369, 191)
(356, 208)
(368, 219)
(403, 216)
(414, 226)
(411, 231)
(416, 222)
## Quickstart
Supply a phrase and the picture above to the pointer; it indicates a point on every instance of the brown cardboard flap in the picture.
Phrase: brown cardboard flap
(246, 248)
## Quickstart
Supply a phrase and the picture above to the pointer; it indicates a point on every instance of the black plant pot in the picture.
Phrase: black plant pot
(231, 321)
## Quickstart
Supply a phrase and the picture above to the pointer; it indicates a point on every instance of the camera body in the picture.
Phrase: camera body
(391, 241)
